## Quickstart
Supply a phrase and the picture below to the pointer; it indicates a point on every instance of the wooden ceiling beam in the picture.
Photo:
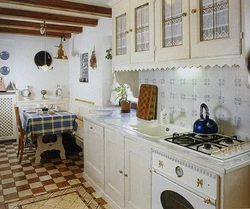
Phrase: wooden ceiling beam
(33, 32)
(36, 26)
(40, 16)
(64, 6)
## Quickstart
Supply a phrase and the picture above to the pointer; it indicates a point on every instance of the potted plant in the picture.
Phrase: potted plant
(122, 95)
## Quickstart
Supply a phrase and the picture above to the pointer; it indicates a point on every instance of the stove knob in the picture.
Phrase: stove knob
(227, 151)
(239, 147)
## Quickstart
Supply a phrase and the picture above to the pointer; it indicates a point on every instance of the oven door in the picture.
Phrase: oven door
(168, 195)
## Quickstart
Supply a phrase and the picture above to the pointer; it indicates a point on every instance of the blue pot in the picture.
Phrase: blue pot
(205, 125)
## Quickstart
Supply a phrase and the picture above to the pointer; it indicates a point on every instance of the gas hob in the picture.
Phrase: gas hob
(216, 145)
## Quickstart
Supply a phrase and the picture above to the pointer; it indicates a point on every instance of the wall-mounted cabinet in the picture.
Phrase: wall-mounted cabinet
(195, 31)
(133, 31)
(172, 30)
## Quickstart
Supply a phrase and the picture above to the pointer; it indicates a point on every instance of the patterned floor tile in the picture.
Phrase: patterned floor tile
(25, 182)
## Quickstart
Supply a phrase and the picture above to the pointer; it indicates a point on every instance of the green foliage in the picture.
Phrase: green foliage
(109, 55)
(122, 93)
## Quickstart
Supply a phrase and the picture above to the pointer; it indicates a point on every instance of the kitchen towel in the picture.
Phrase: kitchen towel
(147, 102)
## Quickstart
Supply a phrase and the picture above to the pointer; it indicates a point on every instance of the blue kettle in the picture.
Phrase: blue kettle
(205, 125)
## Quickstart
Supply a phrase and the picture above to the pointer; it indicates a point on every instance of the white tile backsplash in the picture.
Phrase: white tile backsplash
(225, 91)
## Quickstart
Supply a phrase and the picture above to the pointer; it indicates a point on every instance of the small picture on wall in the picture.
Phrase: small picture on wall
(84, 74)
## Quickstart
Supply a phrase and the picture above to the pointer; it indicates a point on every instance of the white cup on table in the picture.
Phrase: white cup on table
(57, 108)
(39, 112)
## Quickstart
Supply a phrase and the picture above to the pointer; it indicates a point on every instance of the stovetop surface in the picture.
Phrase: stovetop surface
(207, 144)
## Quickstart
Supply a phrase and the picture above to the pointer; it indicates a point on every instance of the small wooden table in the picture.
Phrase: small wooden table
(48, 124)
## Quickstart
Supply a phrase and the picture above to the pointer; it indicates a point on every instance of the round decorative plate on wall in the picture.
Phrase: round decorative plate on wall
(4, 70)
(4, 55)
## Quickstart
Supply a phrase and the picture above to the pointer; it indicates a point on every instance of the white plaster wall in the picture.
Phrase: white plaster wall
(23, 70)
(98, 37)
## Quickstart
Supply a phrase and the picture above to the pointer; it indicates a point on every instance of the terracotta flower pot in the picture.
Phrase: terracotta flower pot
(125, 106)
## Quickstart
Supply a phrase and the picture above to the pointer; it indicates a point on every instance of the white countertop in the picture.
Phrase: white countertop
(122, 123)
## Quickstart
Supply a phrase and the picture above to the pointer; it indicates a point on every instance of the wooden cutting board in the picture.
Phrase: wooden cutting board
(147, 102)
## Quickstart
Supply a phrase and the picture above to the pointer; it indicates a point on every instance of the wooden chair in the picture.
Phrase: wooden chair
(22, 136)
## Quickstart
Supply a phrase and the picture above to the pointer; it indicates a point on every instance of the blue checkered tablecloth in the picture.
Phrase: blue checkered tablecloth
(46, 124)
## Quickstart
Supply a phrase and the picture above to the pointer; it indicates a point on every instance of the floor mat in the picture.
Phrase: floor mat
(72, 198)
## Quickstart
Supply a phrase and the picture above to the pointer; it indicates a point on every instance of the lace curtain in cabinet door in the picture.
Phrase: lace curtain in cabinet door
(142, 28)
(172, 23)
(214, 19)
(121, 36)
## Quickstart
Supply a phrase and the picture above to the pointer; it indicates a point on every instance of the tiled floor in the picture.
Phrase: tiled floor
(27, 180)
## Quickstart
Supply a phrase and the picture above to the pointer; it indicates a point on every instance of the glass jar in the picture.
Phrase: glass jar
(26, 93)
(58, 92)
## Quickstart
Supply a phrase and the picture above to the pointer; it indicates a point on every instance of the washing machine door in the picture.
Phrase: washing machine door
(166, 194)
(173, 200)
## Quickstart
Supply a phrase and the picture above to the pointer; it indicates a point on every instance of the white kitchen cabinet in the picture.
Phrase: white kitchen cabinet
(127, 171)
(215, 28)
(133, 31)
(172, 30)
(94, 153)
(8, 128)
(114, 166)
(197, 29)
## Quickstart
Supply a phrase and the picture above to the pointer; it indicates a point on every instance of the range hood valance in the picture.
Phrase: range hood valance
(172, 65)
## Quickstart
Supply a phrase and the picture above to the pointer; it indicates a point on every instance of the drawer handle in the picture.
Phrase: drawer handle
(161, 164)
(199, 182)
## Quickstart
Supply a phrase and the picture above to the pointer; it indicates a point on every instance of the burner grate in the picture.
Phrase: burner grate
(206, 144)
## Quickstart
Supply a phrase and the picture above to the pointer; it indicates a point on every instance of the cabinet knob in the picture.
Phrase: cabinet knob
(184, 14)
(127, 32)
(91, 127)
(126, 175)
(121, 172)
(130, 30)
(193, 11)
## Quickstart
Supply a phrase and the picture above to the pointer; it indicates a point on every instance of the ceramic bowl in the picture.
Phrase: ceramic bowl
(104, 111)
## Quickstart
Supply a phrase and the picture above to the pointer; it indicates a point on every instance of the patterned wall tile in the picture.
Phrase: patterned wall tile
(224, 90)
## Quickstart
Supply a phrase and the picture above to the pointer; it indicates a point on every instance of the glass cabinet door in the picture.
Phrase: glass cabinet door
(214, 17)
(172, 29)
(218, 31)
(142, 28)
(121, 38)
(142, 31)
(121, 35)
